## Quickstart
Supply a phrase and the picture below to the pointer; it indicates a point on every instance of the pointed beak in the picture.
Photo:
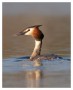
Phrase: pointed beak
(20, 33)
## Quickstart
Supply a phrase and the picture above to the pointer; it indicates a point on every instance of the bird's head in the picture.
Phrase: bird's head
(32, 31)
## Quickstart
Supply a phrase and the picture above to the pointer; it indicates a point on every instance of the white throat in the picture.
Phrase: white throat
(37, 44)
(37, 49)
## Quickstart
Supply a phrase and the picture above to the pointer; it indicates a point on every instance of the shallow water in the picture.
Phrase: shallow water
(13, 65)
(20, 72)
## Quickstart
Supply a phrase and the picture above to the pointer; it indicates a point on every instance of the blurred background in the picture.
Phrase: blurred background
(55, 21)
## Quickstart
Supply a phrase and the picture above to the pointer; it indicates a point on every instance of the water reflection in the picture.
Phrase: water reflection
(20, 72)
(34, 77)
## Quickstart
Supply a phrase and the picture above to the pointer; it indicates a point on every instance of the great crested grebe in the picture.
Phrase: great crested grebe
(38, 36)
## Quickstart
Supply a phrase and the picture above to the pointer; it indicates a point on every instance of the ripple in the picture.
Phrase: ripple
(18, 64)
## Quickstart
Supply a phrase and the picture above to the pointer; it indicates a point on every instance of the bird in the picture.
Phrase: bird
(38, 36)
